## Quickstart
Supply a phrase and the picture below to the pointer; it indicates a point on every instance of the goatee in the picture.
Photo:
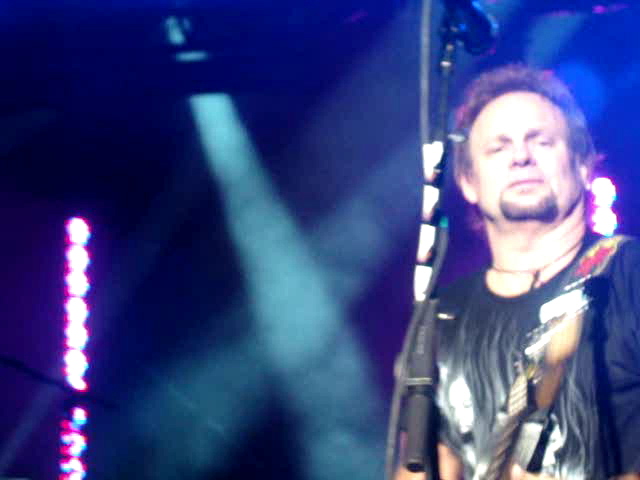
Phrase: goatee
(545, 210)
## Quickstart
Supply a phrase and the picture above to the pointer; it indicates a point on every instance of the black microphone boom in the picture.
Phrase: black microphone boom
(475, 29)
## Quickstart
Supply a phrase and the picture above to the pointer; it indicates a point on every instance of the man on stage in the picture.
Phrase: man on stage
(525, 168)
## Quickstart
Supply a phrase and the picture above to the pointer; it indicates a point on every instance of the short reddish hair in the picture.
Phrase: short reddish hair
(521, 78)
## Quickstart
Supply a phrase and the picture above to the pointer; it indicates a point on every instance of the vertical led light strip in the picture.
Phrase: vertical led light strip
(72, 436)
(604, 220)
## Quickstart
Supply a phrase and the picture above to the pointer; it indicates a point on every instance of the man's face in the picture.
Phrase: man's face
(521, 164)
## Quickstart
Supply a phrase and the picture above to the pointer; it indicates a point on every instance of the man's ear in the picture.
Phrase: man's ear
(586, 173)
(467, 187)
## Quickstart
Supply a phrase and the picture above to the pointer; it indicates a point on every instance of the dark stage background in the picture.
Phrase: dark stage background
(251, 172)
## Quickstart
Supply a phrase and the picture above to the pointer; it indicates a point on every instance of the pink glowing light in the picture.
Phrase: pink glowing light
(77, 257)
(604, 221)
(76, 362)
(77, 337)
(72, 465)
(75, 444)
(77, 383)
(613, 8)
(73, 440)
(77, 283)
(77, 310)
(79, 416)
(604, 192)
(78, 231)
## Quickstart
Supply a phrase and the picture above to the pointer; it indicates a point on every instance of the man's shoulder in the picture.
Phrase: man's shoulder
(629, 247)
(622, 253)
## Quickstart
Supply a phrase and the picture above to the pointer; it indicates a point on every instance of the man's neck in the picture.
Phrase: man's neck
(528, 254)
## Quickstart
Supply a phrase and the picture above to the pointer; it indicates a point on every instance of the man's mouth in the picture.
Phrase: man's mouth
(525, 182)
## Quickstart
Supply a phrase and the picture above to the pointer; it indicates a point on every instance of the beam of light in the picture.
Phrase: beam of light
(356, 241)
(301, 326)
(630, 78)
(549, 34)
(32, 417)
(143, 245)
(220, 393)
(586, 85)
(208, 398)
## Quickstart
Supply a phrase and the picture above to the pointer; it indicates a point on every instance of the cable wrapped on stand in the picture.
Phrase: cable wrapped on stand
(415, 368)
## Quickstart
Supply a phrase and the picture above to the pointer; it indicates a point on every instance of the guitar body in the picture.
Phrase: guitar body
(541, 372)
(524, 435)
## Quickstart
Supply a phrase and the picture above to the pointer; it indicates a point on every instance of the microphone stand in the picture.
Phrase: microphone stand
(415, 368)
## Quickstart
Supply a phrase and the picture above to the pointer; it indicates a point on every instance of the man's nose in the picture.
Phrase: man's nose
(522, 155)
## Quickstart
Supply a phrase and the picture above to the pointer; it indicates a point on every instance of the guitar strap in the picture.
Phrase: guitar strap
(597, 257)
(533, 434)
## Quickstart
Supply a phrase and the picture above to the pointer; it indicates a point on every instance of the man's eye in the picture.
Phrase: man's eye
(495, 149)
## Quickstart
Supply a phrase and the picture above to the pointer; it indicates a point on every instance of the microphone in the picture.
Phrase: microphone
(476, 29)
